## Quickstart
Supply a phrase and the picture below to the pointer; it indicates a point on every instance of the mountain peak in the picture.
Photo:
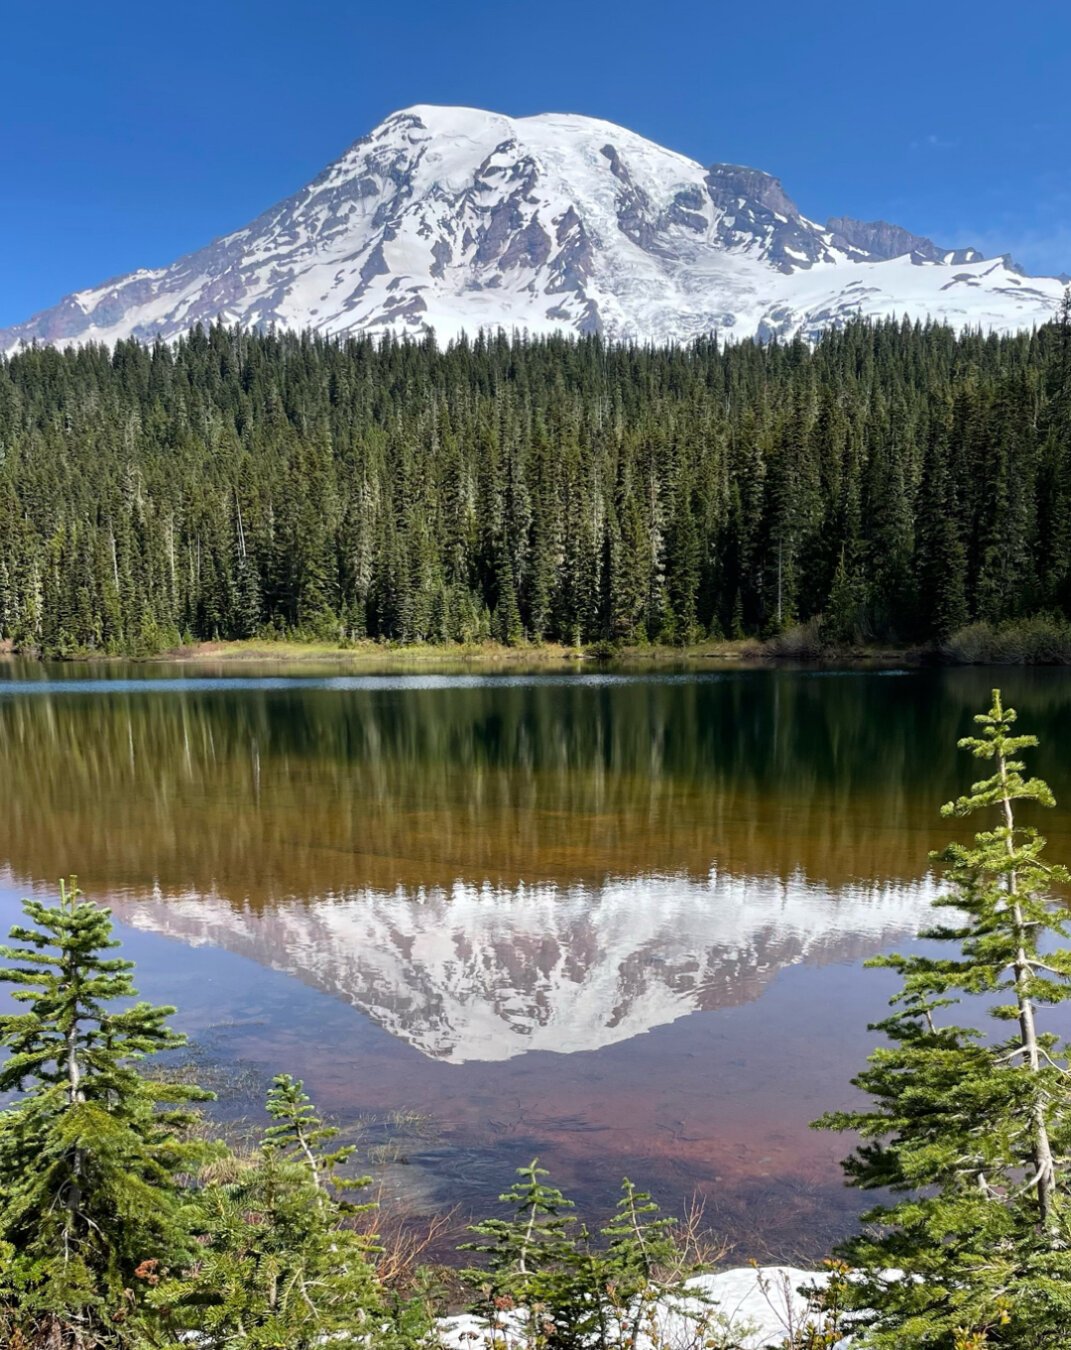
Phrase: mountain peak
(457, 219)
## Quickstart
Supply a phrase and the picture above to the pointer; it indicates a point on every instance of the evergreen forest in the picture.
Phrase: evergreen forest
(896, 479)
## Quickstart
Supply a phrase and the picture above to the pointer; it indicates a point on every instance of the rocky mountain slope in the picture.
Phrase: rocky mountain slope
(460, 220)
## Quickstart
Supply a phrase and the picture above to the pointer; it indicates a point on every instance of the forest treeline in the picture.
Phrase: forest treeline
(898, 479)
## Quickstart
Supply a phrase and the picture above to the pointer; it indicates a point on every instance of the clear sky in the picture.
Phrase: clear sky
(131, 133)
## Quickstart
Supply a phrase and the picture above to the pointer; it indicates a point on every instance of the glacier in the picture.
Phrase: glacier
(455, 221)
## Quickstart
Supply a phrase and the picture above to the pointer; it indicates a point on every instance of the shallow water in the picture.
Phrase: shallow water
(617, 920)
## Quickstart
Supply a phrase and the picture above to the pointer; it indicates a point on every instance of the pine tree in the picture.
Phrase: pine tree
(642, 1265)
(845, 616)
(1054, 463)
(507, 626)
(281, 1265)
(298, 1132)
(682, 566)
(535, 1266)
(940, 557)
(92, 1153)
(550, 1282)
(974, 1134)
(246, 618)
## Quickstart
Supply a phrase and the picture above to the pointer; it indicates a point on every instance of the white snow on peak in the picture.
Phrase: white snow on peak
(456, 219)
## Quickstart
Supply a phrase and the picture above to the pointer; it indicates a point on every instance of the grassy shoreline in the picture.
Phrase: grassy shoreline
(423, 655)
(1044, 640)
(370, 654)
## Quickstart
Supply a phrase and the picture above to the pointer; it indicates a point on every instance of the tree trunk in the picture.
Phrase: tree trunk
(1045, 1184)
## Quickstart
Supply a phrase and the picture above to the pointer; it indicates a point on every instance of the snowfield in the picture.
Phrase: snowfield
(459, 220)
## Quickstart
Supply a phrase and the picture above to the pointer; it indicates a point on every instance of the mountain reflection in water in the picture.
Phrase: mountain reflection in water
(617, 922)
(488, 974)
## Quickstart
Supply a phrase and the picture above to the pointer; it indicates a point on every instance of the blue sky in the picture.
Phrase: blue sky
(132, 133)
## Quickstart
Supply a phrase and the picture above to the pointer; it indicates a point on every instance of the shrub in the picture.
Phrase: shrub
(1043, 640)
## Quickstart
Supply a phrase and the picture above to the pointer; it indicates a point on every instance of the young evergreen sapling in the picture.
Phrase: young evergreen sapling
(92, 1153)
(972, 1135)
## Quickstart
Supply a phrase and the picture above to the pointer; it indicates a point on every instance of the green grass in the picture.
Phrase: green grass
(1042, 640)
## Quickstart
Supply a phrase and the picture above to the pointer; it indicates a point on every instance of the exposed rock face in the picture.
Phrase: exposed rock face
(460, 220)
(735, 182)
(879, 239)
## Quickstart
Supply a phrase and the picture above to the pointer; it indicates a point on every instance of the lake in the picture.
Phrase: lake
(616, 919)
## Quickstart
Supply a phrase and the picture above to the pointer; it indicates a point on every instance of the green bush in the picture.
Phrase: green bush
(1044, 640)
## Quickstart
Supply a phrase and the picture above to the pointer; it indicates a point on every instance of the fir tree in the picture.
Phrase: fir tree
(642, 1266)
(974, 1134)
(281, 1265)
(535, 1265)
(297, 1134)
(92, 1153)
(845, 616)
(547, 1277)
(550, 1280)
(940, 558)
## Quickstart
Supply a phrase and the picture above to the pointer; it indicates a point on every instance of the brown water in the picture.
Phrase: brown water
(614, 920)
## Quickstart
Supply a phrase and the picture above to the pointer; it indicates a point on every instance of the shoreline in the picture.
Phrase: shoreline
(372, 655)
(1035, 644)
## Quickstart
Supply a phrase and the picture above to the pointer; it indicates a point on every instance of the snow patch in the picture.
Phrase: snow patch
(759, 1304)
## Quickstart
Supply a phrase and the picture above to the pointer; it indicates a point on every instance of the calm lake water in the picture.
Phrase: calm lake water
(614, 920)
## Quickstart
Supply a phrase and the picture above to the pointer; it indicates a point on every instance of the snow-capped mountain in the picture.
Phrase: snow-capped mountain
(456, 219)
(477, 973)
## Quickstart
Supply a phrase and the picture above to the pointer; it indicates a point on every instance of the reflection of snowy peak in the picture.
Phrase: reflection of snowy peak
(454, 219)
(486, 975)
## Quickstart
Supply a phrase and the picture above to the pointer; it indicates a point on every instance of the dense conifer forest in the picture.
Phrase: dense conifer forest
(898, 479)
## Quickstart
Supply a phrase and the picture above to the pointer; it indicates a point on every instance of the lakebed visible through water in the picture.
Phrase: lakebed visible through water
(617, 920)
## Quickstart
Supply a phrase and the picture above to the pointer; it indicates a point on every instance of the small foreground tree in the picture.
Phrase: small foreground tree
(92, 1153)
(282, 1265)
(553, 1285)
(972, 1134)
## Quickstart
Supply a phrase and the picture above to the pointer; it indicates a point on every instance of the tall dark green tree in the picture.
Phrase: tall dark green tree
(1054, 461)
(941, 558)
